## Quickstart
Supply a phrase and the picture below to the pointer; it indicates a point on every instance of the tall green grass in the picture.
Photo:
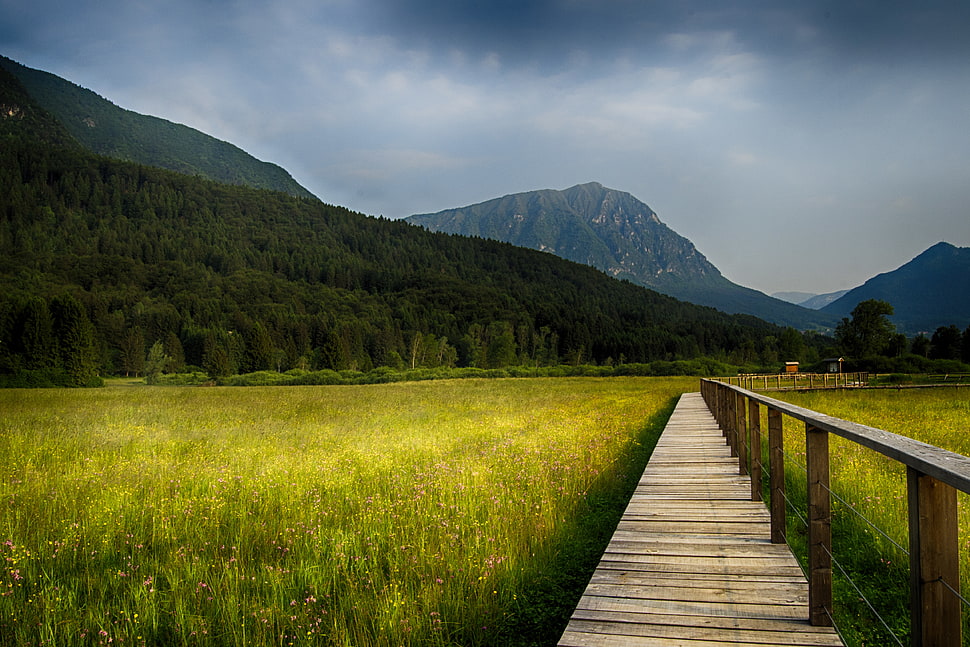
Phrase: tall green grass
(874, 487)
(445, 513)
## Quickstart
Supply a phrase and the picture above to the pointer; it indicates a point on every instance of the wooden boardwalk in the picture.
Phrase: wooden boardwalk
(691, 562)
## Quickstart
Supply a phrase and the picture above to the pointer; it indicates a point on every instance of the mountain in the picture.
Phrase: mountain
(808, 299)
(102, 260)
(819, 301)
(930, 291)
(793, 297)
(105, 129)
(21, 118)
(616, 233)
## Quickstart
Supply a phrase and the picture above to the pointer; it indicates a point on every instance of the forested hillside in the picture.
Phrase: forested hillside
(106, 129)
(103, 260)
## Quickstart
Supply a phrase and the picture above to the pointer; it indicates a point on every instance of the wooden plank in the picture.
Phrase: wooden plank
(788, 592)
(724, 609)
(697, 540)
(710, 527)
(687, 566)
(708, 633)
(713, 622)
(691, 561)
(683, 549)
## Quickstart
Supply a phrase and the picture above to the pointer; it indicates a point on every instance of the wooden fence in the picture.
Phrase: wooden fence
(934, 476)
(764, 382)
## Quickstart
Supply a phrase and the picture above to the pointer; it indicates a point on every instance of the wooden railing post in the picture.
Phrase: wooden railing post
(731, 421)
(721, 391)
(754, 434)
(933, 559)
(742, 432)
(714, 404)
(776, 469)
(819, 527)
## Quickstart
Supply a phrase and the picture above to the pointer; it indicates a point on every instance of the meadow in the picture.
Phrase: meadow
(873, 487)
(465, 512)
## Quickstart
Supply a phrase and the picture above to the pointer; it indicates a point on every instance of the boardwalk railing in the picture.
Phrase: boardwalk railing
(762, 381)
(934, 476)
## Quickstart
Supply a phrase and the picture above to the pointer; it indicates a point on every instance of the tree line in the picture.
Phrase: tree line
(869, 339)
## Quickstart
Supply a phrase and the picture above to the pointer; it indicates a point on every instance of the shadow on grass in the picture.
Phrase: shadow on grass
(546, 604)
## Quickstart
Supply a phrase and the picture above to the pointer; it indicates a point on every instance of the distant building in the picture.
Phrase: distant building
(833, 364)
(791, 367)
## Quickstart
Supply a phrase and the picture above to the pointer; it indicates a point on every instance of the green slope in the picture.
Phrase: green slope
(22, 119)
(106, 129)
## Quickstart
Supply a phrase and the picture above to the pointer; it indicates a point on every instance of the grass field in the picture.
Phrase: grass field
(437, 513)
(875, 487)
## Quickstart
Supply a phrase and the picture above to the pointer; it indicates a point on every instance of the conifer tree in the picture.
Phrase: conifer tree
(965, 346)
(156, 362)
(175, 353)
(75, 340)
(37, 336)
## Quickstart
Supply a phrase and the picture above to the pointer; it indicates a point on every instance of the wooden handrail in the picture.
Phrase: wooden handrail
(934, 476)
(949, 467)
(781, 381)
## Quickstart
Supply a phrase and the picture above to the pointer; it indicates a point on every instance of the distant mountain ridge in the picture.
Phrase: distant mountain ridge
(106, 129)
(620, 235)
(809, 300)
(793, 297)
(819, 301)
(930, 291)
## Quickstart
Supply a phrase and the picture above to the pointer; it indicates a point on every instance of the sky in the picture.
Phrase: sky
(801, 146)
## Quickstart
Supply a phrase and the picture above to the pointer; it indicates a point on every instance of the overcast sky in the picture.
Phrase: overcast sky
(800, 145)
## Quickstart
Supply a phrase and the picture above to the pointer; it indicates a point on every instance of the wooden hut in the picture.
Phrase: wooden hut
(833, 364)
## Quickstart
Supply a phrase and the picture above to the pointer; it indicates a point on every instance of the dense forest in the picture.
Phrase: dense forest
(233, 279)
(108, 265)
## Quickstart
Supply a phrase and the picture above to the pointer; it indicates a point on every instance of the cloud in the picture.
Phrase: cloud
(382, 165)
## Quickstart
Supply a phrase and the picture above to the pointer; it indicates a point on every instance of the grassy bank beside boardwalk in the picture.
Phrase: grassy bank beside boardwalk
(465, 512)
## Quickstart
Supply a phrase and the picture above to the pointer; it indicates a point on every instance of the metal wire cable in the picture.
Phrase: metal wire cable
(867, 521)
(791, 506)
(828, 612)
(863, 596)
(791, 460)
(850, 507)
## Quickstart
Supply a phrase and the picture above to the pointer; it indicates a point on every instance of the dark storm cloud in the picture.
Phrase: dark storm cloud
(534, 32)
(546, 32)
(890, 32)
